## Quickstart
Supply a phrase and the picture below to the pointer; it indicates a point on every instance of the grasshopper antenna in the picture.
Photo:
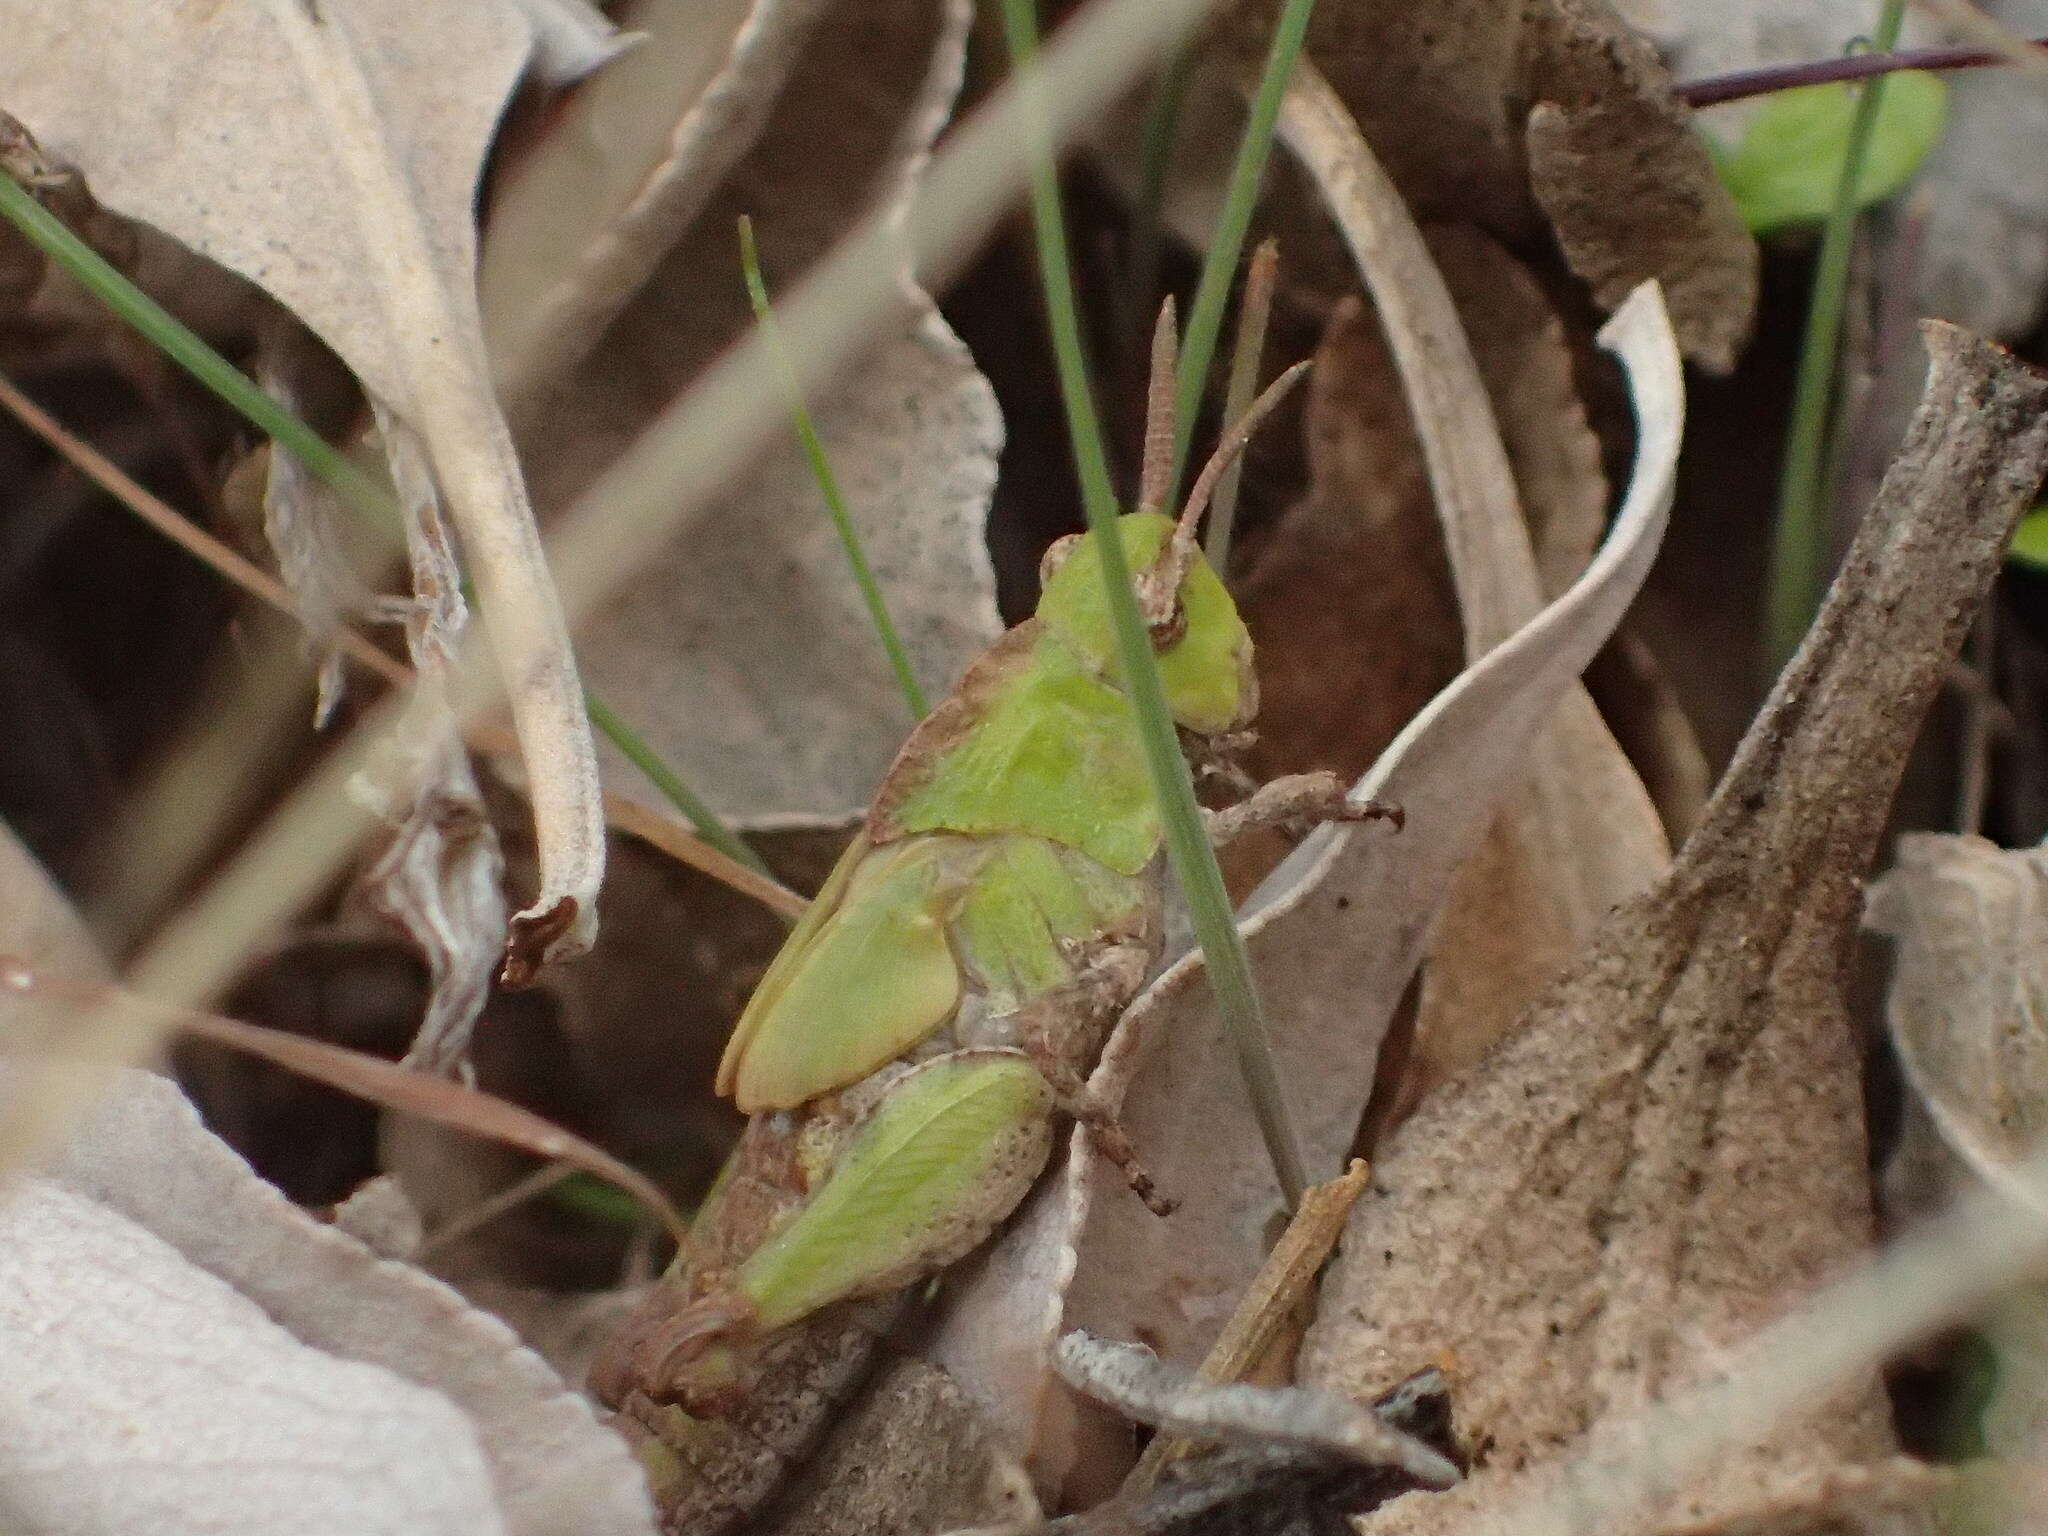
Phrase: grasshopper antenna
(1158, 463)
(1159, 594)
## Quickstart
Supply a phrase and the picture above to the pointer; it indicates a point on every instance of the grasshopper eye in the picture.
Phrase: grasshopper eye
(1167, 632)
(1056, 555)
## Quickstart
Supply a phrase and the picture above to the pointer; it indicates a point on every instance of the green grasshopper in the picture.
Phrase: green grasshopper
(906, 1056)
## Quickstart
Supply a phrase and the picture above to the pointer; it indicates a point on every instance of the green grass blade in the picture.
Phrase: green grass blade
(634, 748)
(1799, 549)
(185, 347)
(1220, 262)
(828, 483)
(1155, 158)
(1187, 841)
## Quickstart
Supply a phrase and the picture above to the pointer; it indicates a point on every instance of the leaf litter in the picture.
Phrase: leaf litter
(1670, 1147)
(731, 125)
(374, 120)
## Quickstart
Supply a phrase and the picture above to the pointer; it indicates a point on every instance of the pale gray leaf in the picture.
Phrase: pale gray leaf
(143, 1394)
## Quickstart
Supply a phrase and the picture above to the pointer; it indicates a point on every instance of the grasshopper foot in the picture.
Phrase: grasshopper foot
(1296, 797)
(684, 1337)
(1075, 1099)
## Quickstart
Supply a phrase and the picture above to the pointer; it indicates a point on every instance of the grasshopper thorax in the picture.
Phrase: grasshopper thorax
(1205, 663)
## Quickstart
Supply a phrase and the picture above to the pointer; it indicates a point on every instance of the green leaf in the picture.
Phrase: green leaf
(1787, 167)
(2029, 545)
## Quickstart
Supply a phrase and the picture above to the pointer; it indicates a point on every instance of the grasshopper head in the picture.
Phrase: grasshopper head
(1205, 657)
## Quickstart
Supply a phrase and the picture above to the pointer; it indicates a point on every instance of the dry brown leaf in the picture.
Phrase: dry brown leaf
(1444, 89)
(746, 657)
(332, 158)
(1669, 1149)
(1335, 932)
(581, 222)
(1579, 833)
(1431, 83)
(1626, 183)
(1889, 1498)
(1356, 571)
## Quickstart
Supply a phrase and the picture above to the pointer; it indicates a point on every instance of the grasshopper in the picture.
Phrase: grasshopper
(907, 1054)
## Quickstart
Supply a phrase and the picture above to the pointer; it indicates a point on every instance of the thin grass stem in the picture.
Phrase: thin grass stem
(828, 483)
(1157, 137)
(1800, 544)
(1226, 249)
(1187, 841)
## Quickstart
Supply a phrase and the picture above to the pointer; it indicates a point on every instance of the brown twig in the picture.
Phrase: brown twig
(1741, 84)
(1268, 1302)
(438, 1099)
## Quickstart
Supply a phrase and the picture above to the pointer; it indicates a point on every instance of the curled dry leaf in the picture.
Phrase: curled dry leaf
(1336, 931)
(1670, 1147)
(1507, 116)
(1579, 833)
(441, 877)
(1966, 1016)
(746, 656)
(144, 1157)
(331, 157)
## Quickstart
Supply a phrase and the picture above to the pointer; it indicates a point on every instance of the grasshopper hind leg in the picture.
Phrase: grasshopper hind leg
(1099, 989)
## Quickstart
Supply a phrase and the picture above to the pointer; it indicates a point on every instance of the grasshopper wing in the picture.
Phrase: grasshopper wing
(942, 1160)
(871, 977)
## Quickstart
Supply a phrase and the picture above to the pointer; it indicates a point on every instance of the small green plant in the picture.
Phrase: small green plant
(1787, 168)
(2029, 545)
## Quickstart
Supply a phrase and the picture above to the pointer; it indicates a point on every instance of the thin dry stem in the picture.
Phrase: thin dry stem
(1254, 310)
(1268, 1305)
(60, 1003)
(450, 402)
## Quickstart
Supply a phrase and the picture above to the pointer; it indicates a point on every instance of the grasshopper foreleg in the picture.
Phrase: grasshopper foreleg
(1295, 797)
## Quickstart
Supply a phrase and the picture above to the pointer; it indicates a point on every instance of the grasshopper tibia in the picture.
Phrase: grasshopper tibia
(1296, 797)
